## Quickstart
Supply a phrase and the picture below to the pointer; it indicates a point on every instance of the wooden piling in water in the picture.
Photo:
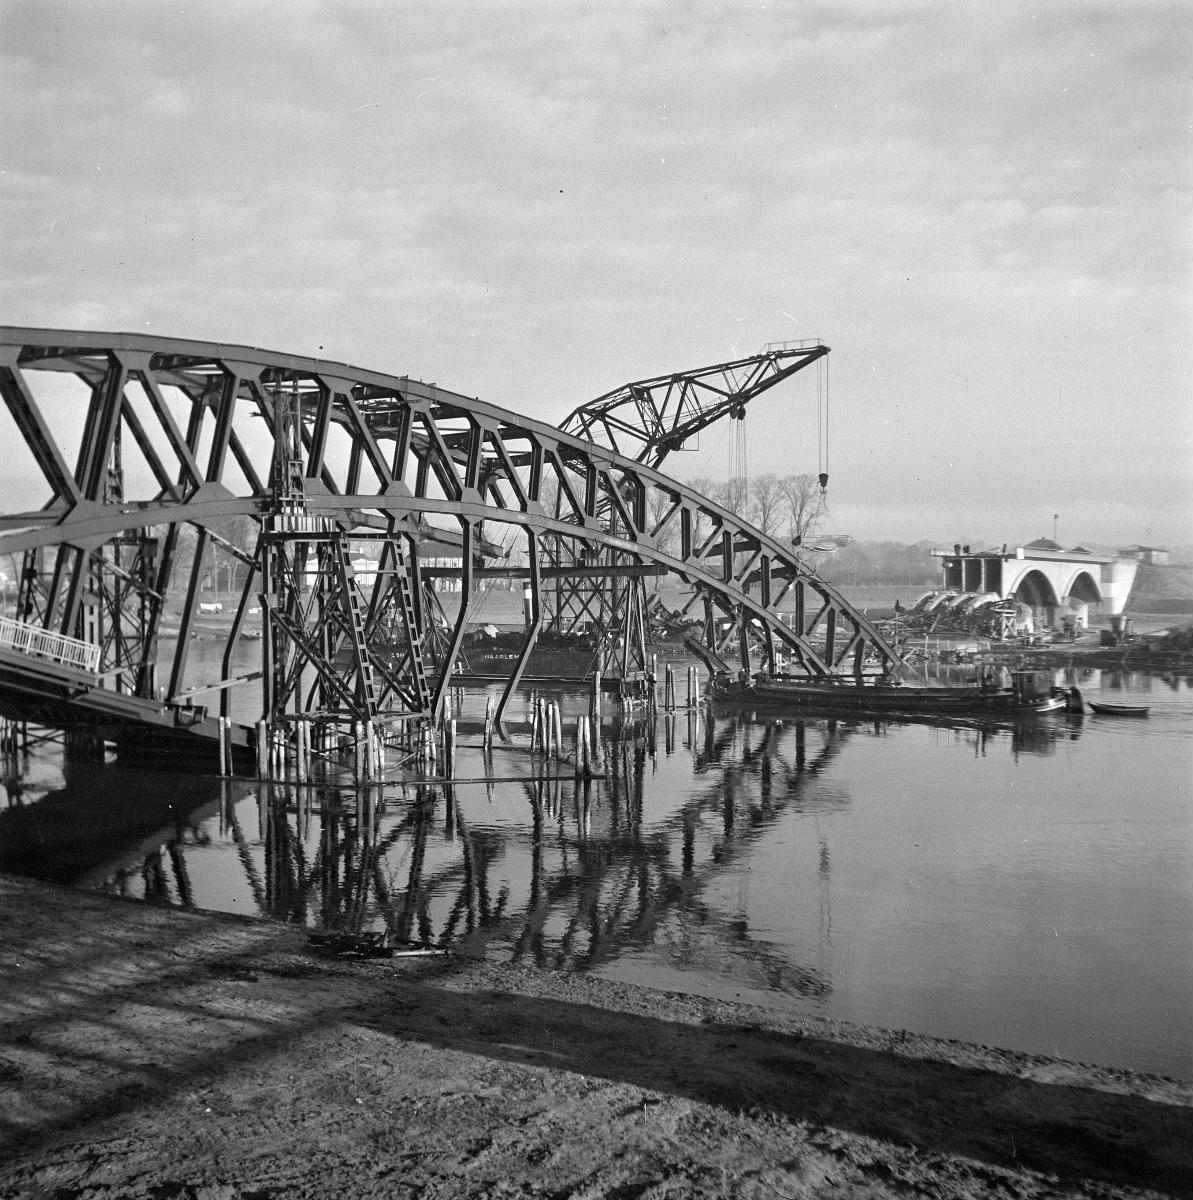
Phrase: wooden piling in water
(302, 757)
(370, 751)
(581, 746)
(596, 755)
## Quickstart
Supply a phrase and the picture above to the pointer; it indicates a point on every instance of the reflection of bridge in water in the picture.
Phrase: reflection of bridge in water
(577, 884)
(567, 876)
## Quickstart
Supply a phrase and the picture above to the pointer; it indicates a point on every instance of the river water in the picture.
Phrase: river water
(1027, 886)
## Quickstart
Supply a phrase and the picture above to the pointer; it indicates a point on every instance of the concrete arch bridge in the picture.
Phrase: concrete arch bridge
(141, 467)
(1034, 587)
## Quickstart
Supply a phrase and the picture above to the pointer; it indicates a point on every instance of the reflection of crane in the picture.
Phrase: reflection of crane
(648, 419)
(620, 889)
(601, 898)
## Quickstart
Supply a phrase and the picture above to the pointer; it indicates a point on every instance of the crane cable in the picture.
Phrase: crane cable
(739, 466)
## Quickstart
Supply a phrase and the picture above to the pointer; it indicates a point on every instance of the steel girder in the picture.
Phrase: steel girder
(227, 431)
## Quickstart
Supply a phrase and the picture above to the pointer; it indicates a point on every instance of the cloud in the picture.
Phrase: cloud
(536, 204)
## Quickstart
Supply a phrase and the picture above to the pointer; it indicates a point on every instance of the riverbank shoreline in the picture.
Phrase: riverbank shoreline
(191, 1056)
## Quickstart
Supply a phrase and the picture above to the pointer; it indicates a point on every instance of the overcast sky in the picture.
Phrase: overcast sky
(984, 209)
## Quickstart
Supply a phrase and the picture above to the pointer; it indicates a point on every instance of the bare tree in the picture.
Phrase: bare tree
(549, 495)
(657, 504)
(734, 495)
(766, 499)
(704, 484)
(12, 580)
(804, 499)
(707, 487)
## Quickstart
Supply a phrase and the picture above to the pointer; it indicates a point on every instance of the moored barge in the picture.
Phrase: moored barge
(1030, 692)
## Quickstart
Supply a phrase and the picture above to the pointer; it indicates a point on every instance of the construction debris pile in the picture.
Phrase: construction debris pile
(976, 614)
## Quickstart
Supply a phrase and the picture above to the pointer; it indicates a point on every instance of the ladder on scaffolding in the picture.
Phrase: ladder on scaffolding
(414, 640)
(356, 623)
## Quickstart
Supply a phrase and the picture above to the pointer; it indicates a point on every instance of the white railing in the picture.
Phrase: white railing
(32, 639)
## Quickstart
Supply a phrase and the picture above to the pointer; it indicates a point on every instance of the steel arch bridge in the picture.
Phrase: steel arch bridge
(135, 455)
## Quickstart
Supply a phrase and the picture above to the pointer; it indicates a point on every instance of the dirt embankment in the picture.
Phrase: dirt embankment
(1162, 589)
(155, 1053)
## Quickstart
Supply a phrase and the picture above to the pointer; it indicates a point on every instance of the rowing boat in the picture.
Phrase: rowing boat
(1118, 710)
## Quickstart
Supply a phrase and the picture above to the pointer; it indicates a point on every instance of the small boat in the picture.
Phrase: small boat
(1118, 710)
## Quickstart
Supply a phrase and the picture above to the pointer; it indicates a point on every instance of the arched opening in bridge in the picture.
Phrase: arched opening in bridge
(1083, 591)
(1036, 591)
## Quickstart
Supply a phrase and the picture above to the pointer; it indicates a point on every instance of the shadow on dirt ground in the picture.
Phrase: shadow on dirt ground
(121, 1009)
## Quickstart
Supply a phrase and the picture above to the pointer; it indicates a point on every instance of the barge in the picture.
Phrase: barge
(1030, 693)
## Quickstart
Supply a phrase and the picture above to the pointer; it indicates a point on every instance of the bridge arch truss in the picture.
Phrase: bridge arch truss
(133, 439)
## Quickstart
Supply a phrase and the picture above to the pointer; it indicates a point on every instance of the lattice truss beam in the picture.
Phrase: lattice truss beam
(648, 419)
(309, 451)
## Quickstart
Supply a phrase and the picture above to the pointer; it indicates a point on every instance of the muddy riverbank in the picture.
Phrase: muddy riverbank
(166, 1054)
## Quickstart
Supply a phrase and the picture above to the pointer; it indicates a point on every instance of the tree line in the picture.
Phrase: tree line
(793, 508)
(790, 507)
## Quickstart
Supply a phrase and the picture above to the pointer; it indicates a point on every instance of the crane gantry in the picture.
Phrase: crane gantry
(647, 420)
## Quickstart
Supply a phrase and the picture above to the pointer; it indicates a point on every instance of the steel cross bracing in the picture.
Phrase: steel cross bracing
(311, 452)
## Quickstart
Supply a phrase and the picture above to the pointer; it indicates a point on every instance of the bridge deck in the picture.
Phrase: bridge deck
(44, 692)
